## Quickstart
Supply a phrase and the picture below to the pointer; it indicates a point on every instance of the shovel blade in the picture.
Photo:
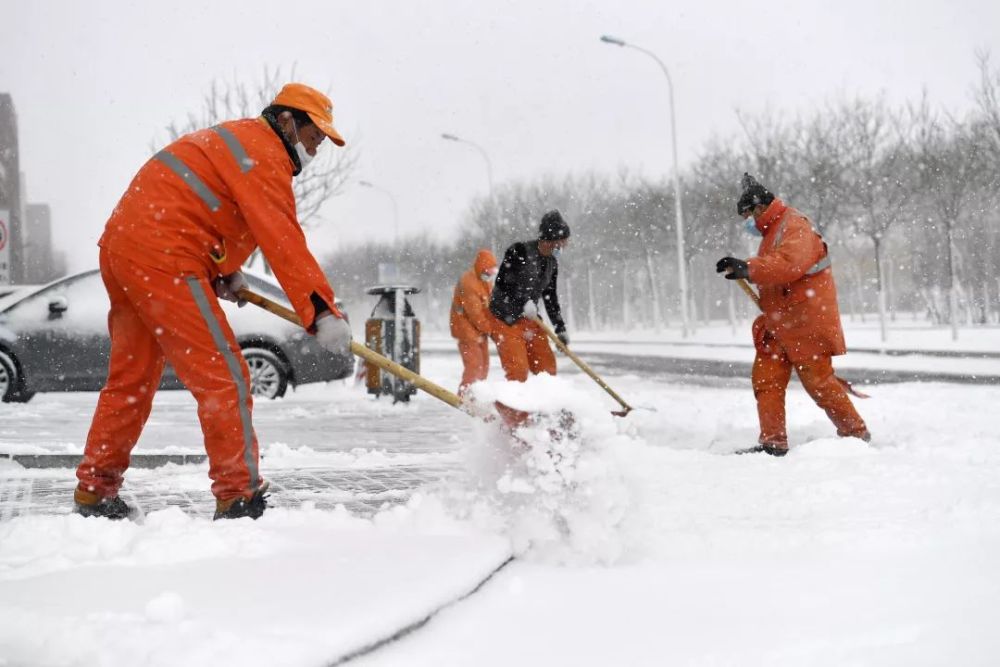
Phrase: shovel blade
(561, 424)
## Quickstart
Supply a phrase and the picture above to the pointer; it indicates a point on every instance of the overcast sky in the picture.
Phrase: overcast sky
(95, 82)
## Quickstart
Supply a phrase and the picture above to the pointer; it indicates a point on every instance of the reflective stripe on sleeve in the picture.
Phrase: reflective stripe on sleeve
(821, 265)
(245, 162)
(175, 165)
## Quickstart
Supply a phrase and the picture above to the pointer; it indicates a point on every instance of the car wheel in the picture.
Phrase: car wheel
(268, 373)
(11, 386)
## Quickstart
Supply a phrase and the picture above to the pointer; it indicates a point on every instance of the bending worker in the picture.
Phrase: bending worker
(176, 240)
(529, 272)
(800, 327)
(471, 319)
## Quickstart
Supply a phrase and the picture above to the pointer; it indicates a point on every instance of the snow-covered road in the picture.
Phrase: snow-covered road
(672, 551)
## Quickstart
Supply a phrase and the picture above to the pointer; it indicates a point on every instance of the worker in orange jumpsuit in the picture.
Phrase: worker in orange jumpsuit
(173, 246)
(800, 326)
(471, 320)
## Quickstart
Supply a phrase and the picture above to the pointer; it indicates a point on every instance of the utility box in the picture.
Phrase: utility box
(394, 332)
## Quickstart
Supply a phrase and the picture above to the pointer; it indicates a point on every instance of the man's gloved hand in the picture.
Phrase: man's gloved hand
(226, 287)
(563, 336)
(531, 310)
(334, 334)
(736, 268)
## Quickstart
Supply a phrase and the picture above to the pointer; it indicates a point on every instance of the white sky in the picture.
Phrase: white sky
(528, 80)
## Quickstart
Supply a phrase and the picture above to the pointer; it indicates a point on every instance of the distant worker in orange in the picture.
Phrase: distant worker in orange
(173, 246)
(529, 273)
(472, 322)
(800, 327)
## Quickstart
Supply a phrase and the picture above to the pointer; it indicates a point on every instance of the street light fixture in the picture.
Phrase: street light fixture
(681, 264)
(489, 168)
(395, 206)
(482, 151)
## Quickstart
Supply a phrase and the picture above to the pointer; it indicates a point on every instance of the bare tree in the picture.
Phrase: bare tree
(821, 149)
(951, 166)
(878, 179)
(987, 96)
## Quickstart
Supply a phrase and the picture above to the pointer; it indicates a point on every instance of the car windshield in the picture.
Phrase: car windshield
(84, 290)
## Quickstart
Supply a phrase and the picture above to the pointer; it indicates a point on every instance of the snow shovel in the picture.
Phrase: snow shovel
(418, 381)
(626, 408)
(745, 286)
(370, 356)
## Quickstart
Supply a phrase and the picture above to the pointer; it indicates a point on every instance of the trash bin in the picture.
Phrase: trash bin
(394, 332)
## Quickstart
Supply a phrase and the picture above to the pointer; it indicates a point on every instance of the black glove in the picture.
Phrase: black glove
(736, 268)
(562, 336)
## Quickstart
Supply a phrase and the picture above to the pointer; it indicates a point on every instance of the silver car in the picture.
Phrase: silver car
(55, 338)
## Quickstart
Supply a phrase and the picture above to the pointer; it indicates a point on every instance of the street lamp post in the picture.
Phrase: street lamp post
(678, 212)
(395, 207)
(489, 171)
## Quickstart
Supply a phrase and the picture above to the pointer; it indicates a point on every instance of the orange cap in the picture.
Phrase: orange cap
(317, 105)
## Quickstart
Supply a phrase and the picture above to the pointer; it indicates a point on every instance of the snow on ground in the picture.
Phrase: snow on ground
(641, 541)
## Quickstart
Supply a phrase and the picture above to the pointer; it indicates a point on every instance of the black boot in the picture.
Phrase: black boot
(90, 504)
(237, 508)
(765, 449)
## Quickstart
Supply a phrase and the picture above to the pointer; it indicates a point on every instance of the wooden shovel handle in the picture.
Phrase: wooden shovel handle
(585, 368)
(370, 356)
(750, 291)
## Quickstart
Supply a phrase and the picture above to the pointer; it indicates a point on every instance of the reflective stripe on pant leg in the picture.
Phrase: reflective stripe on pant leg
(204, 306)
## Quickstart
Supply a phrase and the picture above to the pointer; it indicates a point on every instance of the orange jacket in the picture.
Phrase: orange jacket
(470, 308)
(797, 292)
(206, 201)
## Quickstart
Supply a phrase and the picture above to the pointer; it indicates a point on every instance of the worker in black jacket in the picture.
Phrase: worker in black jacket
(528, 273)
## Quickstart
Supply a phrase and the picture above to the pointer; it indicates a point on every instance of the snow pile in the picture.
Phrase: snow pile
(555, 486)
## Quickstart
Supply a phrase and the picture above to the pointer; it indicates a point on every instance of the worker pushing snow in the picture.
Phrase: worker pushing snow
(800, 326)
(529, 272)
(173, 246)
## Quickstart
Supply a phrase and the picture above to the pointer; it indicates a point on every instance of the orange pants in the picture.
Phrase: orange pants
(771, 372)
(475, 361)
(155, 316)
(523, 347)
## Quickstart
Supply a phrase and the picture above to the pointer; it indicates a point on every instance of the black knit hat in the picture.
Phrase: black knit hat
(553, 227)
(753, 194)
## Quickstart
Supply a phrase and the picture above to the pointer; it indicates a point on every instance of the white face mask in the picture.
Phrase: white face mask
(300, 149)
(556, 252)
(750, 226)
